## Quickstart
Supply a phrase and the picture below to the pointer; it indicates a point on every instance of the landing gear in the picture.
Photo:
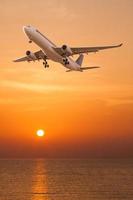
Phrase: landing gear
(65, 60)
(45, 64)
(30, 41)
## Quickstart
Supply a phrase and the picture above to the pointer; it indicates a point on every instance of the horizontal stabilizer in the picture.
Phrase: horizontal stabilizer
(86, 68)
(69, 70)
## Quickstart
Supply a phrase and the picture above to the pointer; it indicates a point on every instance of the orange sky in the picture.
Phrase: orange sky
(83, 114)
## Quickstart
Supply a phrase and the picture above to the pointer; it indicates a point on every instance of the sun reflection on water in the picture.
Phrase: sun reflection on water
(39, 182)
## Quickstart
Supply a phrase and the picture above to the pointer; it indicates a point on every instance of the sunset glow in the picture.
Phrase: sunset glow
(87, 114)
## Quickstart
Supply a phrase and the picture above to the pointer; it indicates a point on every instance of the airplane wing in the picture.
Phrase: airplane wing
(38, 56)
(81, 50)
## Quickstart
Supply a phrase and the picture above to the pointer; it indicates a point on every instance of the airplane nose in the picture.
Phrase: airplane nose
(25, 29)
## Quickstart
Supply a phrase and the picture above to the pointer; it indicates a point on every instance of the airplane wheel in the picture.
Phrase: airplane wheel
(30, 41)
(46, 65)
(66, 62)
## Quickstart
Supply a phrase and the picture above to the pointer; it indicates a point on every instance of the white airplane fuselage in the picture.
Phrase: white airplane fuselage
(48, 47)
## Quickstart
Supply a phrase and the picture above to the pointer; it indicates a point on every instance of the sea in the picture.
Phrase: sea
(66, 179)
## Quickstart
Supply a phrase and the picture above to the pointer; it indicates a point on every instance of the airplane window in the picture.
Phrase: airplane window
(39, 33)
(44, 37)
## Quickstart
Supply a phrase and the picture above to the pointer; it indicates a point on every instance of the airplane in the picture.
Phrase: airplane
(62, 55)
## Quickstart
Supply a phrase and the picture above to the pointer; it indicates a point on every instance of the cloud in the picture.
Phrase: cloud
(112, 102)
(33, 87)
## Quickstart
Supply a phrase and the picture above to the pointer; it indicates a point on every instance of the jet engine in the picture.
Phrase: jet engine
(31, 55)
(66, 50)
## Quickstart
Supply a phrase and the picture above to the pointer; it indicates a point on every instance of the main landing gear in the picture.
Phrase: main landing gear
(45, 64)
(30, 41)
(65, 60)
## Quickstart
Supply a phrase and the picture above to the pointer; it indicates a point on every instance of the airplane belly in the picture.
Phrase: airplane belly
(47, 48)
(52, 54)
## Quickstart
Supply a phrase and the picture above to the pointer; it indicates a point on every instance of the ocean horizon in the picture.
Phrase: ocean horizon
(66, 179)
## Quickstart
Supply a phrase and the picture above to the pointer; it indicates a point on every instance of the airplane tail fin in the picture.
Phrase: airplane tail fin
(79, 61)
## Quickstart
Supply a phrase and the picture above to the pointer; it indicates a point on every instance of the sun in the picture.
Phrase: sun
(40, 133)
